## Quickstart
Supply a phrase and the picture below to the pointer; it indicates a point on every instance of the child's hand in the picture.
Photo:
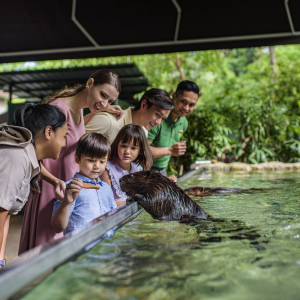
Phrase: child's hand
(72, 190)
(173, 178)
(60, 188)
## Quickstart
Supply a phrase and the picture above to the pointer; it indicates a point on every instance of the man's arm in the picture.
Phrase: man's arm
(88, 118)
(177, 149)
(100, 123)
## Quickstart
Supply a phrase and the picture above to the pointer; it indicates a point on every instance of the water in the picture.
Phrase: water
(252, 252)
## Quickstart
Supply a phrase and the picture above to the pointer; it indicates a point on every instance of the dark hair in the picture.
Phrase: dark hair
(101, 76)
(134, 134)
(187, 85)
(157, 97)
(36, 117)
(93, 145)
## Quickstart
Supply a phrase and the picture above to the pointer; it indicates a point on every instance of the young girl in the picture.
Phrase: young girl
(130, 153)
(81, 205)
(42, 135)
(101, 89)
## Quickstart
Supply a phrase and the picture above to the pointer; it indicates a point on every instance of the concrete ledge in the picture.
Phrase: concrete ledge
(188, 174)
(242, 167)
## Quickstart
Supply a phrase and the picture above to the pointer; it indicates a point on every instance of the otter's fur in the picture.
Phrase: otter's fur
(204, 191)
(160, 197)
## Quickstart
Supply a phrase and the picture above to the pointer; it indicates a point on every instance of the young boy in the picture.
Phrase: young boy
(81, 205)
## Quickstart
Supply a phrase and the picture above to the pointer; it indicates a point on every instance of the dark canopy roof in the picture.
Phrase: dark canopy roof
(57, 29)
(35, 85)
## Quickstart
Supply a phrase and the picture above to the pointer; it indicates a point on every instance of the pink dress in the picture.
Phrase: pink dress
(36, 227)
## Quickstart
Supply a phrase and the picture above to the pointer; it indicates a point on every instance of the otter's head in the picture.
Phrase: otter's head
(143, 182)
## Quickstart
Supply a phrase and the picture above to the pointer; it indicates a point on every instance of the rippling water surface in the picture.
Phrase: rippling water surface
(249, 250)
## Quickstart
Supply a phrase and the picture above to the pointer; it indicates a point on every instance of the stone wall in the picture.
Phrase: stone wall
(242, 167)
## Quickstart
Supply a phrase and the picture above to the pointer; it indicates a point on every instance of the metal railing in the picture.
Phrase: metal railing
(188, 174)
(36, 262)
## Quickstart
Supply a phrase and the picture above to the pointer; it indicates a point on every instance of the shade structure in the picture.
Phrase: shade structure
(35, 85)
(57, 29)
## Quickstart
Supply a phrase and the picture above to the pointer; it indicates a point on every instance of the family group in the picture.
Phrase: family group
(66, 166)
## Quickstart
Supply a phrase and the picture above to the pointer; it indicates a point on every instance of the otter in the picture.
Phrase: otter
(160, 197)
(204, 191)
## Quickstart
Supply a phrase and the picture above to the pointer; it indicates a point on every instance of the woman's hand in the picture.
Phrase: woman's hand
(60, 188)
(72, 190)
(173, 178)
(114, 109)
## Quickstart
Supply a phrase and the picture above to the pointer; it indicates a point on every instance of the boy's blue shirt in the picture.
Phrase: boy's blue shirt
(90, 203)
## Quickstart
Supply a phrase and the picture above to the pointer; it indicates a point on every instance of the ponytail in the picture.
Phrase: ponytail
(36, 117)
(102, 76)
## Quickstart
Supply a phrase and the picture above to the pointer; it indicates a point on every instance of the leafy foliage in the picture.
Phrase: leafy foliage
(249, 110)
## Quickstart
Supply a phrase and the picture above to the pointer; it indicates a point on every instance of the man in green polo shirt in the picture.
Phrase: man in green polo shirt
(164, 139)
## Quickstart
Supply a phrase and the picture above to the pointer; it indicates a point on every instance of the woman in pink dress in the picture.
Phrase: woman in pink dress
(101, 89)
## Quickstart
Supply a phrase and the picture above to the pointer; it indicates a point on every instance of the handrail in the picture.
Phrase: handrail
(188, 174)
(36, 262)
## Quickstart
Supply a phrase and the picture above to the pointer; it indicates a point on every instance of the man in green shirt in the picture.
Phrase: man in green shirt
(164, 139)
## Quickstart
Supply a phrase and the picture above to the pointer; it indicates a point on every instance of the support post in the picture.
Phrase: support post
(11, 107)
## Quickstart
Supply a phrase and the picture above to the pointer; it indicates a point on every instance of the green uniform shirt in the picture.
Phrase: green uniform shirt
(167, 134)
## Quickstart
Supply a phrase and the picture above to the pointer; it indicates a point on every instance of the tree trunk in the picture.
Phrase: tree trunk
(177, 63)
(273, 59)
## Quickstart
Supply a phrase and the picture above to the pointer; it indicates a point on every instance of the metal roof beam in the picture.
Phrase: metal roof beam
(66, 79)
(154, 44)
(287, 8)
(82, 29)
(12, 84)
(18, 89)
(112, 67)
(178, 19)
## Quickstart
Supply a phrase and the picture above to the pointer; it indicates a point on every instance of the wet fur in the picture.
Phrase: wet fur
(203, 191)
(160, 197)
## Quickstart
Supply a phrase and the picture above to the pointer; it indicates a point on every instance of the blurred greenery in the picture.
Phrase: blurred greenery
(249, 110)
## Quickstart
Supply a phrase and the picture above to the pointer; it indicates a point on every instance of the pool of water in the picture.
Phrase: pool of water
(249, 250)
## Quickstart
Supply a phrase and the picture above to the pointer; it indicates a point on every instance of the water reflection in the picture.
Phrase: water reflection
(218, 230)
(249, 249)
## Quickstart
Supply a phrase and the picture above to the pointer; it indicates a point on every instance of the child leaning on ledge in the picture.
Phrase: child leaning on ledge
(81, 205)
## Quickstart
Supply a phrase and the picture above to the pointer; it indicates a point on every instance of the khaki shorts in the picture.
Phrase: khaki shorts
(16, 208)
